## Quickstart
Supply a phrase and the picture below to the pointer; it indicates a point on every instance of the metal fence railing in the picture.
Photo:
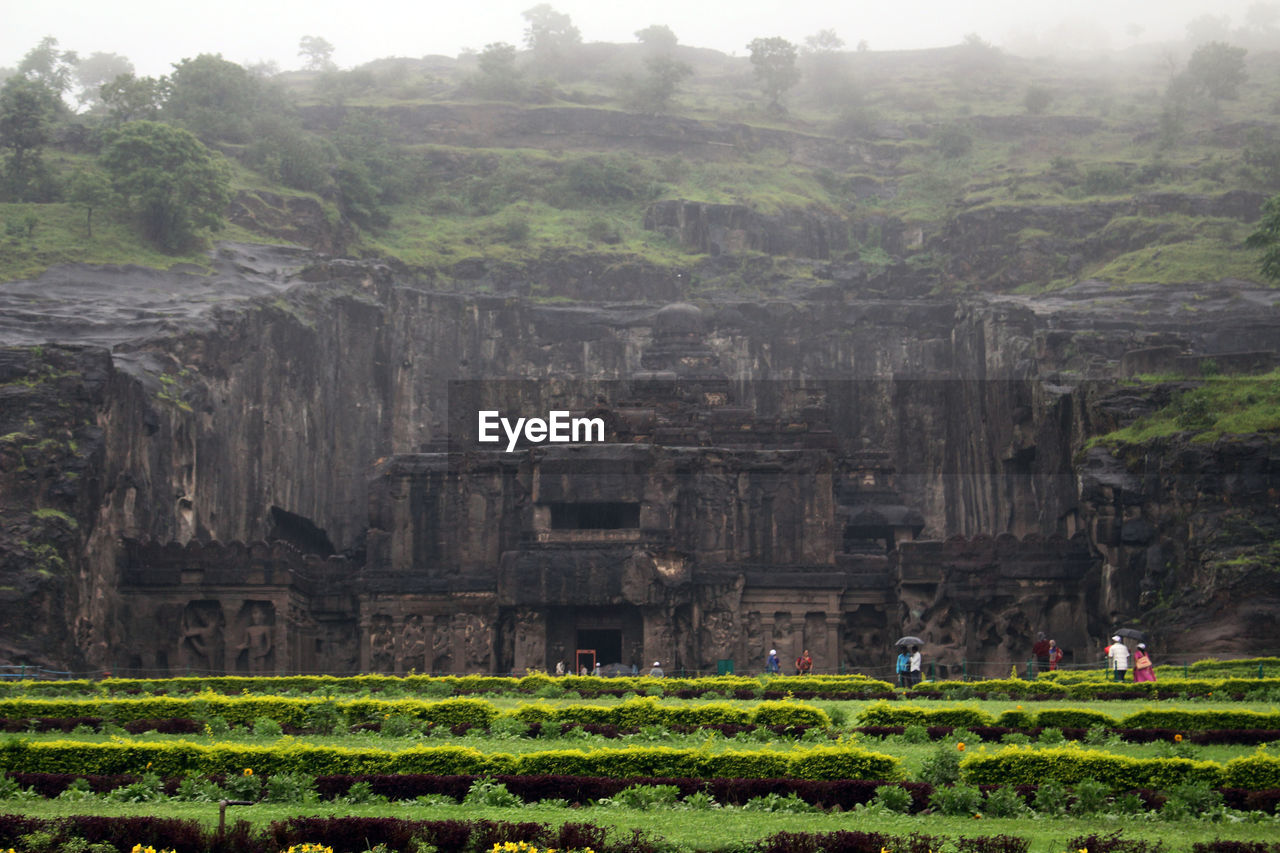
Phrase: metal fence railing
(1172, 666)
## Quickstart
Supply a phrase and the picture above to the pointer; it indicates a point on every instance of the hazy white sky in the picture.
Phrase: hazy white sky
(155, 34)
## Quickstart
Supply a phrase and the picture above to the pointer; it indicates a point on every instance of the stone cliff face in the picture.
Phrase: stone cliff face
(266, 418)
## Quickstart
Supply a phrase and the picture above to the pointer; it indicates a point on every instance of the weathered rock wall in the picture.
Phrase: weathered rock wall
(291, 400)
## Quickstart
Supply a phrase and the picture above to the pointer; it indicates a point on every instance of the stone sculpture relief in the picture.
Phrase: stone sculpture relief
(257, 647)
(413, 644)
(381, 644)
(202, 643)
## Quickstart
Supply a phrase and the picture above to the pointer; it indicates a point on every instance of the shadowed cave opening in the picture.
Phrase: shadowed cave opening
(614, 515)
(607, 643)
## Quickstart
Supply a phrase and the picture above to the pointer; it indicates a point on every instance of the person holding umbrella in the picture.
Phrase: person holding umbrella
(908, 661)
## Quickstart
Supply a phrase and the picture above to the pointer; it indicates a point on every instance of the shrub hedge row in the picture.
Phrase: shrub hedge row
(243, 710)
(455, 836)
(328, 685)
(304, 713)
(1069, 765)
(1066, 685)
(889, 714)
(584, 790)
(646, 711)
(181, 757)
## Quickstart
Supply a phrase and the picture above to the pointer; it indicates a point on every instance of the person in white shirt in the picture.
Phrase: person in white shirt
(1118, 657)
(913, 667)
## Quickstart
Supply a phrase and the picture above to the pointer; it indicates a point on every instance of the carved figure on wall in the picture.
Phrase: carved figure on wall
(381, 644)
(478, 643)
(413, 644)
(202, 636)
(782, 633)
(258, 644)
(441, 646)
(529, 650)
(717, 636)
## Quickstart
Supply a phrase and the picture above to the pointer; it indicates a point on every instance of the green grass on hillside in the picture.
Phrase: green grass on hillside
(1220, 406)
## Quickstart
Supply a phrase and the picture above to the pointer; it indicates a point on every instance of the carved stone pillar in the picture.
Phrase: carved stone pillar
(832, 651)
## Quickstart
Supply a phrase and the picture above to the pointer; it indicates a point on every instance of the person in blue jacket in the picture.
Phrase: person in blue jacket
(773, 665)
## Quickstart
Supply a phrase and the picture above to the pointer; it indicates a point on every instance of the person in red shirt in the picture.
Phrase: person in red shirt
(1040, 651)
(804, 664)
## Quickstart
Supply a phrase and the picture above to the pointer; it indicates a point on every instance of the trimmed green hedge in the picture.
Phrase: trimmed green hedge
(243, 710)
(182, 757)
(890, 714)
(1026, 766)
(1199, 720)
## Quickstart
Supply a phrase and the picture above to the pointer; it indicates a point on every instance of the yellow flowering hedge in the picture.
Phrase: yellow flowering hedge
(181, 757)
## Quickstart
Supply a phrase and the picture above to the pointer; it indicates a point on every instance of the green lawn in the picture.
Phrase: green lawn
(716, 829)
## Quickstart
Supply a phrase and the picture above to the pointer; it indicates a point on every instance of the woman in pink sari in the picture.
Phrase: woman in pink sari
(1143, 670)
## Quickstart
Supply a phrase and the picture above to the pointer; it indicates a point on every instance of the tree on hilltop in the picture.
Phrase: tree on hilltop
(213, 98)
(318, 52)
(27, 110)
(1217, 70)
(774, 62)
(96, 70)
(498, 77)
(658, 39)
(45, 64)
(175, 186)
(551, 37)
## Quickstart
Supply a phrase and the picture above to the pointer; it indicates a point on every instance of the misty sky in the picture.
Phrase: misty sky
(156, 34)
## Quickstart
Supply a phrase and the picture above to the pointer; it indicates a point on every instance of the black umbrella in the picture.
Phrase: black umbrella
(1131, 633)
(909, 641)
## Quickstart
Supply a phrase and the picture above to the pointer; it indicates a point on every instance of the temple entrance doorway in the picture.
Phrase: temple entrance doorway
(607, 643)
(615, 632)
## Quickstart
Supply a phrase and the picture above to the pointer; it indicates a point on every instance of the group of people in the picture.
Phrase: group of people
(1046, 651)
(773, 665)
(908, 667)
(1118, 661)
(1048, 655)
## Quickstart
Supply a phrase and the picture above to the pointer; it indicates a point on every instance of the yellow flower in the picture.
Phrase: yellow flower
(248, 771)
(977, 816)
(1019, 707)
(960, 746)
(1177, 738)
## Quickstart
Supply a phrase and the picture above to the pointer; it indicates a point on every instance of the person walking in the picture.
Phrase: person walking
(772, 665)
(1118, 657)
(1143, 669)
(1040, 651)
(913, 667)
(657, 672)
(1055, 655)
(904, 668)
